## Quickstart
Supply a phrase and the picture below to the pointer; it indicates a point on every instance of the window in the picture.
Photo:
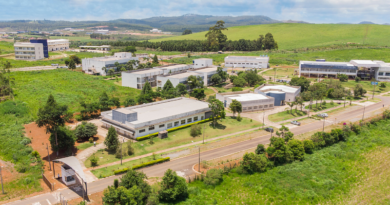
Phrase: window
(183, 122)
(255, 107)
(196, 118)
(265, 106)
(387, 74)
(141, 131)
(160, 126)
(249, 108)
(271, 105)
(201, 118)
(151, 127)
(255, 63)
(244, 108)
(169, 125)
(189, 120)
(177, 123)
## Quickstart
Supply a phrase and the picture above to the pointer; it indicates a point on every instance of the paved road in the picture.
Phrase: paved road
(185, 164)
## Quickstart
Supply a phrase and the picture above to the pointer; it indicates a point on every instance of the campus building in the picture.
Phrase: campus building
(44, 44)
(364, 69)
(281, 93)
(57, 44)
(250, 101)
(95, 65)
(102, 47)
(141, 120)
(28, 51)
(246, 61)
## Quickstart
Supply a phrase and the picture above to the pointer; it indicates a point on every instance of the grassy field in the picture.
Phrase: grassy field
(6, 47)
(67, 87)
(290, 36)
(366, 85)
(280, 72)
(285, 115)
(85, 145)
(291, 58)
(180, 137)
(320, 107)
(351, 172)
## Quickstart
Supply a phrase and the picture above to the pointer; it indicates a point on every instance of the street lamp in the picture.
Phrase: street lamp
(123, 141)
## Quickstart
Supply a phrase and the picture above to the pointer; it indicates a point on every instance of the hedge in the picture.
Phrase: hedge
(173, 129)
(142, 165)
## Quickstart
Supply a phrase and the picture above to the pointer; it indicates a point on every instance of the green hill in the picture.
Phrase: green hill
(290, 36)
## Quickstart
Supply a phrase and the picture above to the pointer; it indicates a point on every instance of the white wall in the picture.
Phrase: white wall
(201, 63)
(129, 80)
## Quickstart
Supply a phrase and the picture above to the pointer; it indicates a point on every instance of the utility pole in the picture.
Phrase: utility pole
(1, 176)
(374, 90)
(199, 160)
(204, 127)
(48, 155)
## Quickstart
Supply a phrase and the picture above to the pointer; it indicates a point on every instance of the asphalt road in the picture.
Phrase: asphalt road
(185, 164)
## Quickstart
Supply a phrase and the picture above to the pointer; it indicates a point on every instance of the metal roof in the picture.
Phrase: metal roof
(74, 163)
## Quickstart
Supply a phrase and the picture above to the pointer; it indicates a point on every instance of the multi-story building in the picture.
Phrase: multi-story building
(45, 47)
(246, 61)
(95, 65)
(58, 44)
(28, 51)
(141, 120)
(281, 93)
(249, 101)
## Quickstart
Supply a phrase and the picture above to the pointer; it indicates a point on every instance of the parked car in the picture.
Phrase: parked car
(62, 67)
(54, 64)
(323, 115)
(296, 123)
(269, 129)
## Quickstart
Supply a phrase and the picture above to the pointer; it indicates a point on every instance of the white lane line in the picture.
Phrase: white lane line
(48, 201)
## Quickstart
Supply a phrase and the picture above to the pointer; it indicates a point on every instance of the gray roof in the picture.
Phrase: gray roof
(74, 163)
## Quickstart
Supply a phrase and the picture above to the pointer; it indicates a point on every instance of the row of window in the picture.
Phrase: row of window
(24, 48)
(243, 63)
(24, 57)
(177, 123)
(385, 74)
(329, 70)
(258, 107)
(31, 53)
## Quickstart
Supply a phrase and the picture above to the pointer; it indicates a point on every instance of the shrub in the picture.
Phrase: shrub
(94, 161)
(116, 183)
(357, 79)
(297, 148)
(343, 77)
(260, 149)
(121, 151)
(195, 130)
(355, 128)
(213, 177)
(234, 89)
(91, 140)
(309, 146)
(142, 165)
(254, 163)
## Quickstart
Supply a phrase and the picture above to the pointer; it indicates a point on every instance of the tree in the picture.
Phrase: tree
(217, 110)
(235, 106)
(121, 195)
(173, 187)
(131, 49)
(213, 177)
(196, 130)
(198, 93)
(357, 79)
(299, 101)
(137, 179)
(67, 62)
(254, 163)
(72, 65)
(297, 148)
(224, 75)
(260, 149)
(129, 102)
(167, 86)
(75, 59)
(291, 105)
(111, 140)
(382, 85)
(104, 101)
(342, 77)
(111, 72)
(186, 32)
(155, 59)
(65, 138)
(6, 81)
(85, 130)
(338, 93)
(195, 82)
(52, 116)
(359, 91)
(269, 42)
(216, 79)
(309, 146)
(215, 37)
(181, 89)
(279, 151)
(239, 82)
(146, 95)
(300, 81)
(253, 78)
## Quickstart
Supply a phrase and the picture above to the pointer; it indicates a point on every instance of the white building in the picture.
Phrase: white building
(138, 78)
(141, 120)
(202, 63)
(57, 44)
(28, 51)
(155, 30)
(95, 65)
(102, 47)
(246, 61)
(365, 69)
(250, 101)
(102, 31)
(281, 93)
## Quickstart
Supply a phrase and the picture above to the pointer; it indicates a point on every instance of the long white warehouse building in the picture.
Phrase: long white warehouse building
(246, 61)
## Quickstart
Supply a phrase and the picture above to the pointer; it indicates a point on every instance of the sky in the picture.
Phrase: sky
(313, 11)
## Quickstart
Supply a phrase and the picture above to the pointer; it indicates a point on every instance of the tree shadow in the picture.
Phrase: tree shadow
(218, 126)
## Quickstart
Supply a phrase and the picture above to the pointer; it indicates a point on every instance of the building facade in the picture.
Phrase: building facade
(281, 93)
(141, 120)
(45, 46)
(95, 65)
(246, 61)
(28, 51)
(249, 101)
(58, 44)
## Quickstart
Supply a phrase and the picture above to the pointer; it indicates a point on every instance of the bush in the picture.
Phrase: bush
(357, 79)
(121, 151)
(142, 165)
(309, 146)
(213, 177)
(355, 128)
(234, 89)
(195, 130)
(260, 149)
(94, 161)
(343, 77)
(90, 140)
(254, 163)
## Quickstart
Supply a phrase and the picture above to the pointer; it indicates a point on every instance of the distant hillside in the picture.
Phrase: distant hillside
(366, 22)
(290, 36)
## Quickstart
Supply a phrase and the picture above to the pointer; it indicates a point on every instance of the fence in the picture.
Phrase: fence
(48, 183)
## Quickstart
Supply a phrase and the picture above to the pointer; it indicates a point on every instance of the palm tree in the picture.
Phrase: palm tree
(291, 104)
(274, 75)
(111, 71)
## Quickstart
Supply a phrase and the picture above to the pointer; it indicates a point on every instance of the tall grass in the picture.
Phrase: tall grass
(323, 177)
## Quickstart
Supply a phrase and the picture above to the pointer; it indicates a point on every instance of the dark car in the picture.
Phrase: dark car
(269, 129)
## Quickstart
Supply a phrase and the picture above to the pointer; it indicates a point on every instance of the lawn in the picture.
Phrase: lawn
(355, 171)
(181, 137)
(84, 145)
(291, 36)
(351, 84)
(209, 91)
(280, 72)
(67, 87)
(6, 47)
(285, 115)
(320, 107)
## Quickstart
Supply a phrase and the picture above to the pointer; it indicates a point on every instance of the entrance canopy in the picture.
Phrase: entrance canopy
(74, 163)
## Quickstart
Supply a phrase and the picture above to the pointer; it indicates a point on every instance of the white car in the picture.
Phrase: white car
(296, 123)
(323, 115)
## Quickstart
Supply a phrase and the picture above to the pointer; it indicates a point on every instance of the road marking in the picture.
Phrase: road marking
(48, 201)
(36, 203)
